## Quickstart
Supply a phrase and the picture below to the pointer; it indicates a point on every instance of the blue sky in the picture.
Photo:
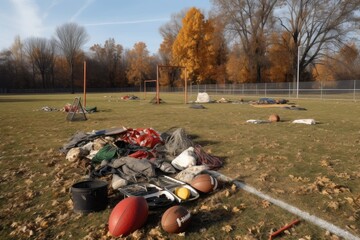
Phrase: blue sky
(127, 21)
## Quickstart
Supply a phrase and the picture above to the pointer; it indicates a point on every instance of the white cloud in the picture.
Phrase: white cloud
(27, 21)
(52, 5)
(83, 7)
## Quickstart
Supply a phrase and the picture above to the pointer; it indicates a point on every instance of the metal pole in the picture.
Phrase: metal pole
(354, 90)
(289, 90)
(144, 91)
(298, 72)
(265, 90)
(84, 84)
(157, 85)
(321, 90)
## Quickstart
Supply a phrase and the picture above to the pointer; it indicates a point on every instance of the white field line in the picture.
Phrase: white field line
(294, 210)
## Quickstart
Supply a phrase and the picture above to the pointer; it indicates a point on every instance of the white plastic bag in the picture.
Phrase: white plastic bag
(305, 121)
(203, 98)
(118, 182)
(185, 159)
(257, 121)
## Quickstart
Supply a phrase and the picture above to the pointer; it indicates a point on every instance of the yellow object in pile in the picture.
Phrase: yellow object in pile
(183, 193)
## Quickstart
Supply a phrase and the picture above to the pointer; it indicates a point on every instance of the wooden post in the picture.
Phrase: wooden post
(84, 84)
(185, 91)
(144, 90)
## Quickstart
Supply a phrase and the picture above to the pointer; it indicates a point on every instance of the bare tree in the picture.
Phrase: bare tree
(5, 70)
(317, 27)
(42, 56)
(19, 66)
(247, 20)
(70, 38)
(169, 31)
(108, 57)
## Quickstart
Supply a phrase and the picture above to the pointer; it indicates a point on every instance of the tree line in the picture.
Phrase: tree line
(238, 41)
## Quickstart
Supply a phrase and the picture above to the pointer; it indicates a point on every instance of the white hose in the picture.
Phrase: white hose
(294, 210)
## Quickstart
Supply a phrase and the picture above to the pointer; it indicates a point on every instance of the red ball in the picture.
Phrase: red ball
(175, 219)
(204, 183)
(128, 215)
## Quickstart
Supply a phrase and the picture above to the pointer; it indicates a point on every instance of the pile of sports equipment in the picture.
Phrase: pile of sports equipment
(148, 169)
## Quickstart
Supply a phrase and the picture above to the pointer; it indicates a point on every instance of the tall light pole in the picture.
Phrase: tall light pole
(298, 72)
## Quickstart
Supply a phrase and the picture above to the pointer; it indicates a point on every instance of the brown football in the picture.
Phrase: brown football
(204, 183)
(175, 219)
(274, 118)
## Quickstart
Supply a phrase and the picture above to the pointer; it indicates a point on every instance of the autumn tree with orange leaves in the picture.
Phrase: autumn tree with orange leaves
(139, 64)
(281, 65)
(343, 65)
(193, 48)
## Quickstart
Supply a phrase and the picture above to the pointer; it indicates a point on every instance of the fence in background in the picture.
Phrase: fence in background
(336, 90)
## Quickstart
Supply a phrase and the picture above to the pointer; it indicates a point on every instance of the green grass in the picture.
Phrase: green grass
(281, 159)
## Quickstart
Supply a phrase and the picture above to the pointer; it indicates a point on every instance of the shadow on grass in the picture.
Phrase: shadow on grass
(202, 143)
(103, 110)
(207, 219)
(199, 220)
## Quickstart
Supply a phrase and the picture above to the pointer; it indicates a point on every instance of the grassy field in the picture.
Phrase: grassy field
(312, 167)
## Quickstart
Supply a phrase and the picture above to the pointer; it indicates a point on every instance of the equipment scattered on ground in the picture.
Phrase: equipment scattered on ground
(274, 118)
(154, 195)
(175, 219)
(294, 108)
(305, 121)
(204, 183)
(171, 184)
(183, 193)
(176, 141)
(136, 158)
(89, 196)
(128, 215)
(162, 191)
(197, 106)
(186, 159)
(76, 112)
(202, 98)
(257, 121)
(278, 232)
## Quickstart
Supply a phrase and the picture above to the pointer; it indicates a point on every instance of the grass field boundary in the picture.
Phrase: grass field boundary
(292, 209)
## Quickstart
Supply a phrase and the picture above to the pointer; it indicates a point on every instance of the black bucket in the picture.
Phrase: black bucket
(89, 196)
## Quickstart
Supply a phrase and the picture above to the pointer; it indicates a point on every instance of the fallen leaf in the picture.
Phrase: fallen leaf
(334, 205)
(28, 182)
(325, 163)
(235, 209)
(263, 177)
(350, 200)
(265, 204)
(205, 207)
(307, 237)
(227, 228)
(227, 193)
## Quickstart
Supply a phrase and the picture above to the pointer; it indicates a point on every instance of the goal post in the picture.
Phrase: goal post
(157, 81)
(157, 89)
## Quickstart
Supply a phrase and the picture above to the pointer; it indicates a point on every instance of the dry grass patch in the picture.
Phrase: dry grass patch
(312, 167)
